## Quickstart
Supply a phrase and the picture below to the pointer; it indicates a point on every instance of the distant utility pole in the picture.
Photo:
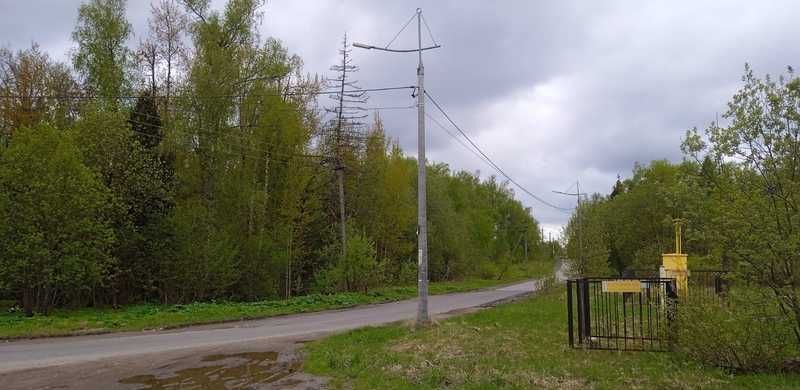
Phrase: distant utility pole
(578, 194)
(423, 318)
(526, 247)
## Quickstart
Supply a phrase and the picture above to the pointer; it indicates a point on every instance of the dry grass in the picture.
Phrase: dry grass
(516, 346)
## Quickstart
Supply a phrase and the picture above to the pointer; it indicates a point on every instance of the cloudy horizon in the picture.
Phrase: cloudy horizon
(553, 93)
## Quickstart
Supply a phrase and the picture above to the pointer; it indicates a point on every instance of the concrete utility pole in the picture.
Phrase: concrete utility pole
(423, 318)
(422, 212)
(577, 193)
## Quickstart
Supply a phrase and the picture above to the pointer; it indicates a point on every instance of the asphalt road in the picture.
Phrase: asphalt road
(39, 353)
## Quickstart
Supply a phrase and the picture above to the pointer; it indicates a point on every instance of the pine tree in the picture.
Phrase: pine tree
(345, 138)
(146, 122)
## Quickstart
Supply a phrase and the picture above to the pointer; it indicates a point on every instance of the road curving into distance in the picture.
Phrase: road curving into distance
(47, 352)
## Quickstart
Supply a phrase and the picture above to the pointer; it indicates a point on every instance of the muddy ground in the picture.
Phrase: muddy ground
(273, 364)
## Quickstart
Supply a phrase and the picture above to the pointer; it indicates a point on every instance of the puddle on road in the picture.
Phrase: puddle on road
(225, 371)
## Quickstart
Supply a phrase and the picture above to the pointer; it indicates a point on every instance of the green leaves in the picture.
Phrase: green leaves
(225, 198)
(55, 234)
(740, 195)
(102, 57)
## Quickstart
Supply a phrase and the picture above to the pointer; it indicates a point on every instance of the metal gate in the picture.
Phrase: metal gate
(637, 316)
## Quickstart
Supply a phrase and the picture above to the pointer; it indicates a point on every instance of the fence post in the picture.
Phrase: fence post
(579, 296)
(587, 331)
(672, 307)
(569, 314)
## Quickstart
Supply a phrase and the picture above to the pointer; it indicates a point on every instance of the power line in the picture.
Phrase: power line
(389, 108)
(287, 158)
(245, 143)
(308, 93)
(489, 160)
(232, 151)
(441, 126)
(241, 138)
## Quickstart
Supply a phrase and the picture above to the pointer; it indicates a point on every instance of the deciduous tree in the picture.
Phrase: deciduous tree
(55, 231)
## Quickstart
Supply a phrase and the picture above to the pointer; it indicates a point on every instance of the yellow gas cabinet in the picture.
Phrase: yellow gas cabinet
(675, 265)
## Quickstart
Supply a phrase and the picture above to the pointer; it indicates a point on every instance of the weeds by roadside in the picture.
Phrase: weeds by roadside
(517, 346)
(13, 324)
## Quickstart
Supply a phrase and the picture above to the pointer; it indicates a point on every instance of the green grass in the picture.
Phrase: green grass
(13, 324)
(516, 346)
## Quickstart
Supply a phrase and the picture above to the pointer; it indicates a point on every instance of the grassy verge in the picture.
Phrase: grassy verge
(151, 316)
(517, 346)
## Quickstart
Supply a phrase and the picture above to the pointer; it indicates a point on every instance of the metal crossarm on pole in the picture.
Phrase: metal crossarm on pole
(423, 318)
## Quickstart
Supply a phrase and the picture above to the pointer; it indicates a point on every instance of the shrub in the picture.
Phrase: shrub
(487, 270)
(746, 332)
(408, 273)
(359, 271)
(55, 234)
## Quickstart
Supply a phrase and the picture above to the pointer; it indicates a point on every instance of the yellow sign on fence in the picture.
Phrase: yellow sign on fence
(622, 286)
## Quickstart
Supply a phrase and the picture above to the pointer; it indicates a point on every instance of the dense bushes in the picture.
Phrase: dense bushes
(55, 228)
(357, 271)
(745, 332)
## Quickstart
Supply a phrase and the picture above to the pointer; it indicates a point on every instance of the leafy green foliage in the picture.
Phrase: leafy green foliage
(215, 189)
(102, 57)
(359, 270)
(55, 231)
(760, 202)
(738, 189)
(141, 195)
(746, 332)
(146, 122)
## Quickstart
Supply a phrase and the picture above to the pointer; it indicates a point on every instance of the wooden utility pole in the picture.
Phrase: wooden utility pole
(577, 194)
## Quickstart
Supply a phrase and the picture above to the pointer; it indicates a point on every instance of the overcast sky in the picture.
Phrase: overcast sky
(553, 92)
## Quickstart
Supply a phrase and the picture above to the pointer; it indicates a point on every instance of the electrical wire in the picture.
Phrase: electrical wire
(467, 147)
(429, 29)
(256, 153)
(241, 138)
(390, 108)
(489, 160)
(401, 30)
(309, 93)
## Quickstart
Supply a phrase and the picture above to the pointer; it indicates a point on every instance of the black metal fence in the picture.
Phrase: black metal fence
(707, 284)
(704, 284)
(639, 321)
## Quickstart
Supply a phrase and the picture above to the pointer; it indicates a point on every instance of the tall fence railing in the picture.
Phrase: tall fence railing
(704, 284)
(639, 317)
(631, 321)
(707, 284)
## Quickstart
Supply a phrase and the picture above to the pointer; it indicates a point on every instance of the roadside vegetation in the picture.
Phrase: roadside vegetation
(521, 345)
(204, 164)
(14, 324)
(738, 191)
